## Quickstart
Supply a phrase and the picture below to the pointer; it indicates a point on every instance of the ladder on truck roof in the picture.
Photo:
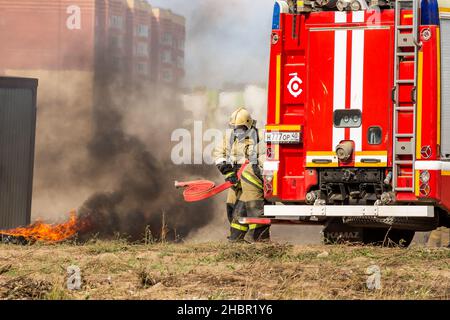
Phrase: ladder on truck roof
(406, 46)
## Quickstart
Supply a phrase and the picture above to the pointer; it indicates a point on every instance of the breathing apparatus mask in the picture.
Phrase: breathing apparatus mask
(240, 132)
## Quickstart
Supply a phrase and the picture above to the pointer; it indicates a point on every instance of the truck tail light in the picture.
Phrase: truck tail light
(268, 186)
(425, 177)
(270, 153)
(425, 190)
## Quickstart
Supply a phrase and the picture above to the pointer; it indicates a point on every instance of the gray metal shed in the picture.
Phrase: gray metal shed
(17, 141)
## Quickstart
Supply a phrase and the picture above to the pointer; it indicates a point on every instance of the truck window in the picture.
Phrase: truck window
(347, 118)
(374, 135)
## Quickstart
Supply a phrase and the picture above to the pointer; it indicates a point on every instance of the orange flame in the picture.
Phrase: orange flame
(43, 232)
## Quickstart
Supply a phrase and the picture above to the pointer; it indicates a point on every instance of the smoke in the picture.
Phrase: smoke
(104, 148)
(143, 194)
(138, 167)
(217, 31)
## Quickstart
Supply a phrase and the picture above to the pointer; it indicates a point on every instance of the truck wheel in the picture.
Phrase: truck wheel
(336, 232)
(397, 223)
(388, 237)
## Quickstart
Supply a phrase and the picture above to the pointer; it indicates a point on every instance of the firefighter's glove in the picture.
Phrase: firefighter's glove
(232, 177)
(228, 172)
(225, 168)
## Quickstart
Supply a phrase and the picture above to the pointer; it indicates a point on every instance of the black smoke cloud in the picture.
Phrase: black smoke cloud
(87, 156)
(142, 194)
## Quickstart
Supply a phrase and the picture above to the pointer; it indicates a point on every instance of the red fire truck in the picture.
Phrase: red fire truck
(358, 134)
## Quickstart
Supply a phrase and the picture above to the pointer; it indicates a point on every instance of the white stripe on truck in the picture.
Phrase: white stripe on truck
(340, 74)
(357, 80)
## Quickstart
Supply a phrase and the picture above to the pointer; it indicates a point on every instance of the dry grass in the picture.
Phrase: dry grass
(117, 270)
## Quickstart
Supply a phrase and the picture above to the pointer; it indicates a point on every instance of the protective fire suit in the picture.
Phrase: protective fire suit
(246, 198)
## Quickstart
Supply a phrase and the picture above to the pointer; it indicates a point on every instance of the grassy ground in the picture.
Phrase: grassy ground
(117, 270)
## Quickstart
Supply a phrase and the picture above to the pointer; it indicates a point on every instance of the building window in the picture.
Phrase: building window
(142, 49)
(167, 39)
(374, 135)
(142, 31)
(116, 22)
(167, 75)
(166, 57)
(180, 62)
(142, 68)
(349, 118)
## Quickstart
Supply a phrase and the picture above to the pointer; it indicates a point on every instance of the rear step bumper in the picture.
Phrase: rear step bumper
(297, 211)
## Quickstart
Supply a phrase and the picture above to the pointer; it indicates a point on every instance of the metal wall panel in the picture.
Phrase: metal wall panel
(445, 76)
(17, 140)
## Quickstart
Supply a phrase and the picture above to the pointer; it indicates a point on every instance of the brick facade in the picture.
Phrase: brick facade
(127, 37)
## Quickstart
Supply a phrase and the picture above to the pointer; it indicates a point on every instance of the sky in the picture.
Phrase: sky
(227, 40)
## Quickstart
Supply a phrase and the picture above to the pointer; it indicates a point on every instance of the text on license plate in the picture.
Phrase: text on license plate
(283, 137)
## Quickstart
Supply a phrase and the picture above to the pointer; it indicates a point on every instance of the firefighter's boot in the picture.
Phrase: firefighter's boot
(259, 233)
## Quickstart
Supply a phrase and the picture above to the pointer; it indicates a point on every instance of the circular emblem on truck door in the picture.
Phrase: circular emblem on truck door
(294, 85)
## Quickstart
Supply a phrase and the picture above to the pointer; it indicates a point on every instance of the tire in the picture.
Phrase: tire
(388, 237)
(336, 232)
(413, 224)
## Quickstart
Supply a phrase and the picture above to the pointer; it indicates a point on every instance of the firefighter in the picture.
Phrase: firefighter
(243, 143)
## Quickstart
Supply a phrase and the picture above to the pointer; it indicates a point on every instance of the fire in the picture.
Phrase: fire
(40, 231)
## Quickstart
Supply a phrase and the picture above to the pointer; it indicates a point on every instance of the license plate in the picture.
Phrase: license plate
(283, 137)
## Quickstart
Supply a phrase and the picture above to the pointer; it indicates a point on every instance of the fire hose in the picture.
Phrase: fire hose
(203, 189)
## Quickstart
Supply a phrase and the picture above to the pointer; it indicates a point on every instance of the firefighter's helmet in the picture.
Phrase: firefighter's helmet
(241, 117)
